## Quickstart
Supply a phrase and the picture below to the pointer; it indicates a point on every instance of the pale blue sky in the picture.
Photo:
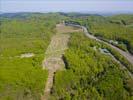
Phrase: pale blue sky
(66, 6)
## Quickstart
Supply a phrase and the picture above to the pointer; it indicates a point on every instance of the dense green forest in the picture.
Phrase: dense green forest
(117, 29)
(96, 76)
(89, 73)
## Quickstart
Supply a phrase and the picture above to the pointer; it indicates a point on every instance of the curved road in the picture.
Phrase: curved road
(127, 55)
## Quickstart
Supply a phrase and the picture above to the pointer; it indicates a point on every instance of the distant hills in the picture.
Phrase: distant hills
(24, 15)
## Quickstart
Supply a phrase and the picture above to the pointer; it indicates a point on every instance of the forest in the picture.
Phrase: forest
(89, 73)
(117, 29)
(96, 76)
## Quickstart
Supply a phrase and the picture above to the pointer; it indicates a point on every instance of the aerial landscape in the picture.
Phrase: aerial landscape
(66, 50)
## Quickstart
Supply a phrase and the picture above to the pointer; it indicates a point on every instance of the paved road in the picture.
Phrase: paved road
(122, 66)
(127, 55)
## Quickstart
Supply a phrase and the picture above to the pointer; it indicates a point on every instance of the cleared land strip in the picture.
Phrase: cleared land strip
(53, 60)
(53, 56)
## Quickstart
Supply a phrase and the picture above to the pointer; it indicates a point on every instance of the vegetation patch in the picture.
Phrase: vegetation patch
(90, 74)
(24, 79)
(111, 28)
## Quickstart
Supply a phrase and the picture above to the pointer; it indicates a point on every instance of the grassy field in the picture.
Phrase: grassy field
(23, 78)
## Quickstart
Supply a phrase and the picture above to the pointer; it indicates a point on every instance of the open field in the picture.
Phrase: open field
(58, 44)
(22, 46)
(61, 28)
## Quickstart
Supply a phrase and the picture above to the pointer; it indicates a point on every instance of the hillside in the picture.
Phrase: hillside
(43, 58)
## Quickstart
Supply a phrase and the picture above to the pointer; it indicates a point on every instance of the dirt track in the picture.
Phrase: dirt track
(53, 55)
(53, 60)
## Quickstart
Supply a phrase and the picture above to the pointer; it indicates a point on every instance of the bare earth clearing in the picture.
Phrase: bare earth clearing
(27, 55)
(61, 28)
(53, 55)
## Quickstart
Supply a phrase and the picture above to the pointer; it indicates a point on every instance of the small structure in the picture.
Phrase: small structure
(27, 55)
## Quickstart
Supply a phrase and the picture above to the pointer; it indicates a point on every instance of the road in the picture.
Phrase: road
(58, 45)
(127, 55)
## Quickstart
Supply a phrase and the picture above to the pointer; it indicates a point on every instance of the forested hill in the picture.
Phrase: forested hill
(89, 71)
(26, 15)
(116, 29)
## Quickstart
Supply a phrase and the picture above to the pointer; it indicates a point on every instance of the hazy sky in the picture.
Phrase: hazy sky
(66, 6)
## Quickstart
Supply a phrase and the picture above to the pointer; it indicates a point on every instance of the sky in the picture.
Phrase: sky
(66, 6)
